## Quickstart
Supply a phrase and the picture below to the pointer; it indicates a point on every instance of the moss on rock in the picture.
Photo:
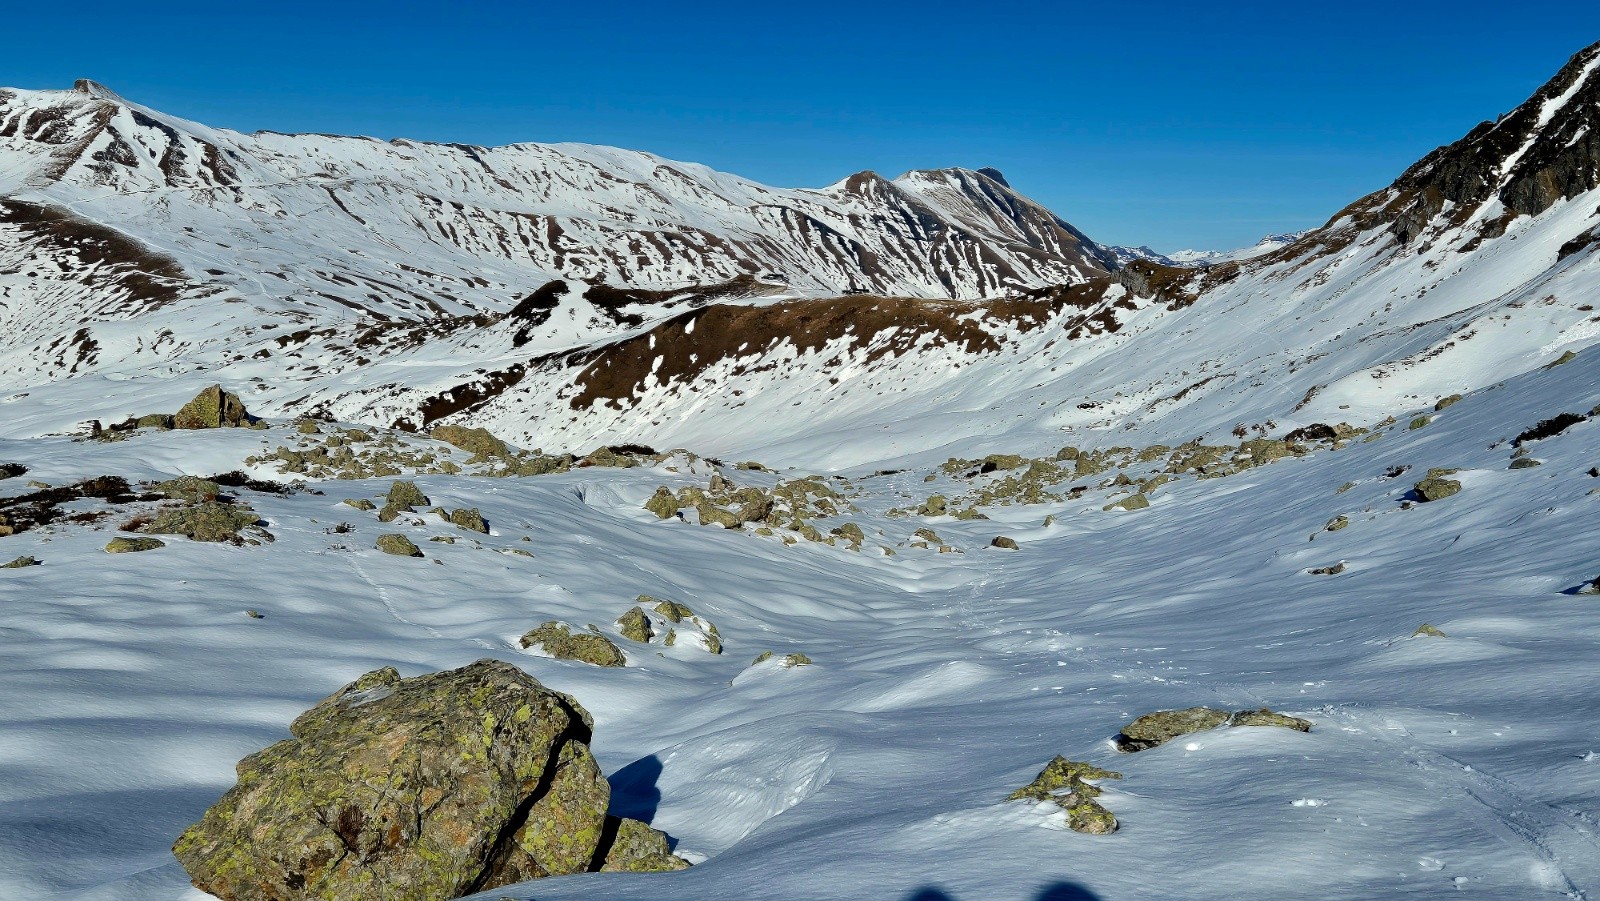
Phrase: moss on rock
(433, 787)
(635, 626)
(397, 544)
(209, 521)
(121, 545)
(210, 409)
(1064, 783)
(1157, 728)
(561, 642)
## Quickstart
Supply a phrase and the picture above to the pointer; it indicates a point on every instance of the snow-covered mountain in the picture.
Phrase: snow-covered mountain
(1416, 588)
(416, 284)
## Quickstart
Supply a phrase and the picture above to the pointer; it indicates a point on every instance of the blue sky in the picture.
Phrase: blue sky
(1168, 124)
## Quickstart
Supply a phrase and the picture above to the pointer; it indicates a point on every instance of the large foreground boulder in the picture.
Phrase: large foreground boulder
(211, 409)
(427, 788)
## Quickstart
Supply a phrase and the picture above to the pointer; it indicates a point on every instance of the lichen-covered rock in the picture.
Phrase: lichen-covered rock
(210, 409)
(605, 456)
(663, 504)
(1131, 502)
(1436, 488)
(397, 544)
(672, 610)
(1063, 782)
(188, 488)
(433, 787)
(307, 427)
(1266, 717)
(469, 519)
(481, 443)
(209, 521)
(762, 657)
(636, 848)
(121, 545)
(1002, 541)
(559, 641)
(405, 495)
(851, 533)
(1428, 630)
(154, 421)
(796, 659)
(1332, 570)
(20, 563)
(710, 514)
(1446, 402)
(933, 506)
(1337, 523)
(635, 626)
(1526, 463)
(1154, 729)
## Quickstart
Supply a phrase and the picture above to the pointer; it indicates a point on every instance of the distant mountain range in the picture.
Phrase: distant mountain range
(570, 295)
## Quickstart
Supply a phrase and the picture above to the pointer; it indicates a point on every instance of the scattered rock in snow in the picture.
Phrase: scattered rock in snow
(397, 544)
(1428, 630)
(1436, 488)
(1525, 463)
(1333, 570)
(933, 506)
(1420, 422)
(11, 470)
(635, 626)
(1131, 502)
(1590, 587)
(360, 503)
(405, 496)
(481, 443)
(1446, 402)
(121, 545)
(210, 409)
(1001, 541)
(1266, 717)
(672, 610)
(1154, 729)
(210, 521)
(471, 520)
(561, 642)
(193, 489)
(637, 848)
(1063, 782)
(796, 659)
(1337, 523)
(19, 563)
(663, 504)
(433, 787)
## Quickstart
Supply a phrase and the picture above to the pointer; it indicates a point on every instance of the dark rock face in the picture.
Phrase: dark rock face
(433, 787)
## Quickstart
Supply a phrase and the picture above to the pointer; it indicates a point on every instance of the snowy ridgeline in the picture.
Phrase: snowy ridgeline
(940, 682)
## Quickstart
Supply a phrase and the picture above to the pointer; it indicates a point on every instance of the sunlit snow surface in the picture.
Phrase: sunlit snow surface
(131, 684)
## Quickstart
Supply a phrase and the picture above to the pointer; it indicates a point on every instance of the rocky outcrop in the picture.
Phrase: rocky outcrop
(561, 642)
(1436, 488)
(210, 521)
(210, 409)
(121, 545)
(434, 787)
(1154, 729)
(397, 544)
(1063, 782)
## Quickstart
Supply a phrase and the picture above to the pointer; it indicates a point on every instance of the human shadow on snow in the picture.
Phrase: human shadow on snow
(1056, 891)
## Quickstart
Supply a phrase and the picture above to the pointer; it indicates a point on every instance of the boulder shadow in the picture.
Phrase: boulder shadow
(634, 792)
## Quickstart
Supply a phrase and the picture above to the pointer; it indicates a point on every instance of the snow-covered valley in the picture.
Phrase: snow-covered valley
(1029, 490)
